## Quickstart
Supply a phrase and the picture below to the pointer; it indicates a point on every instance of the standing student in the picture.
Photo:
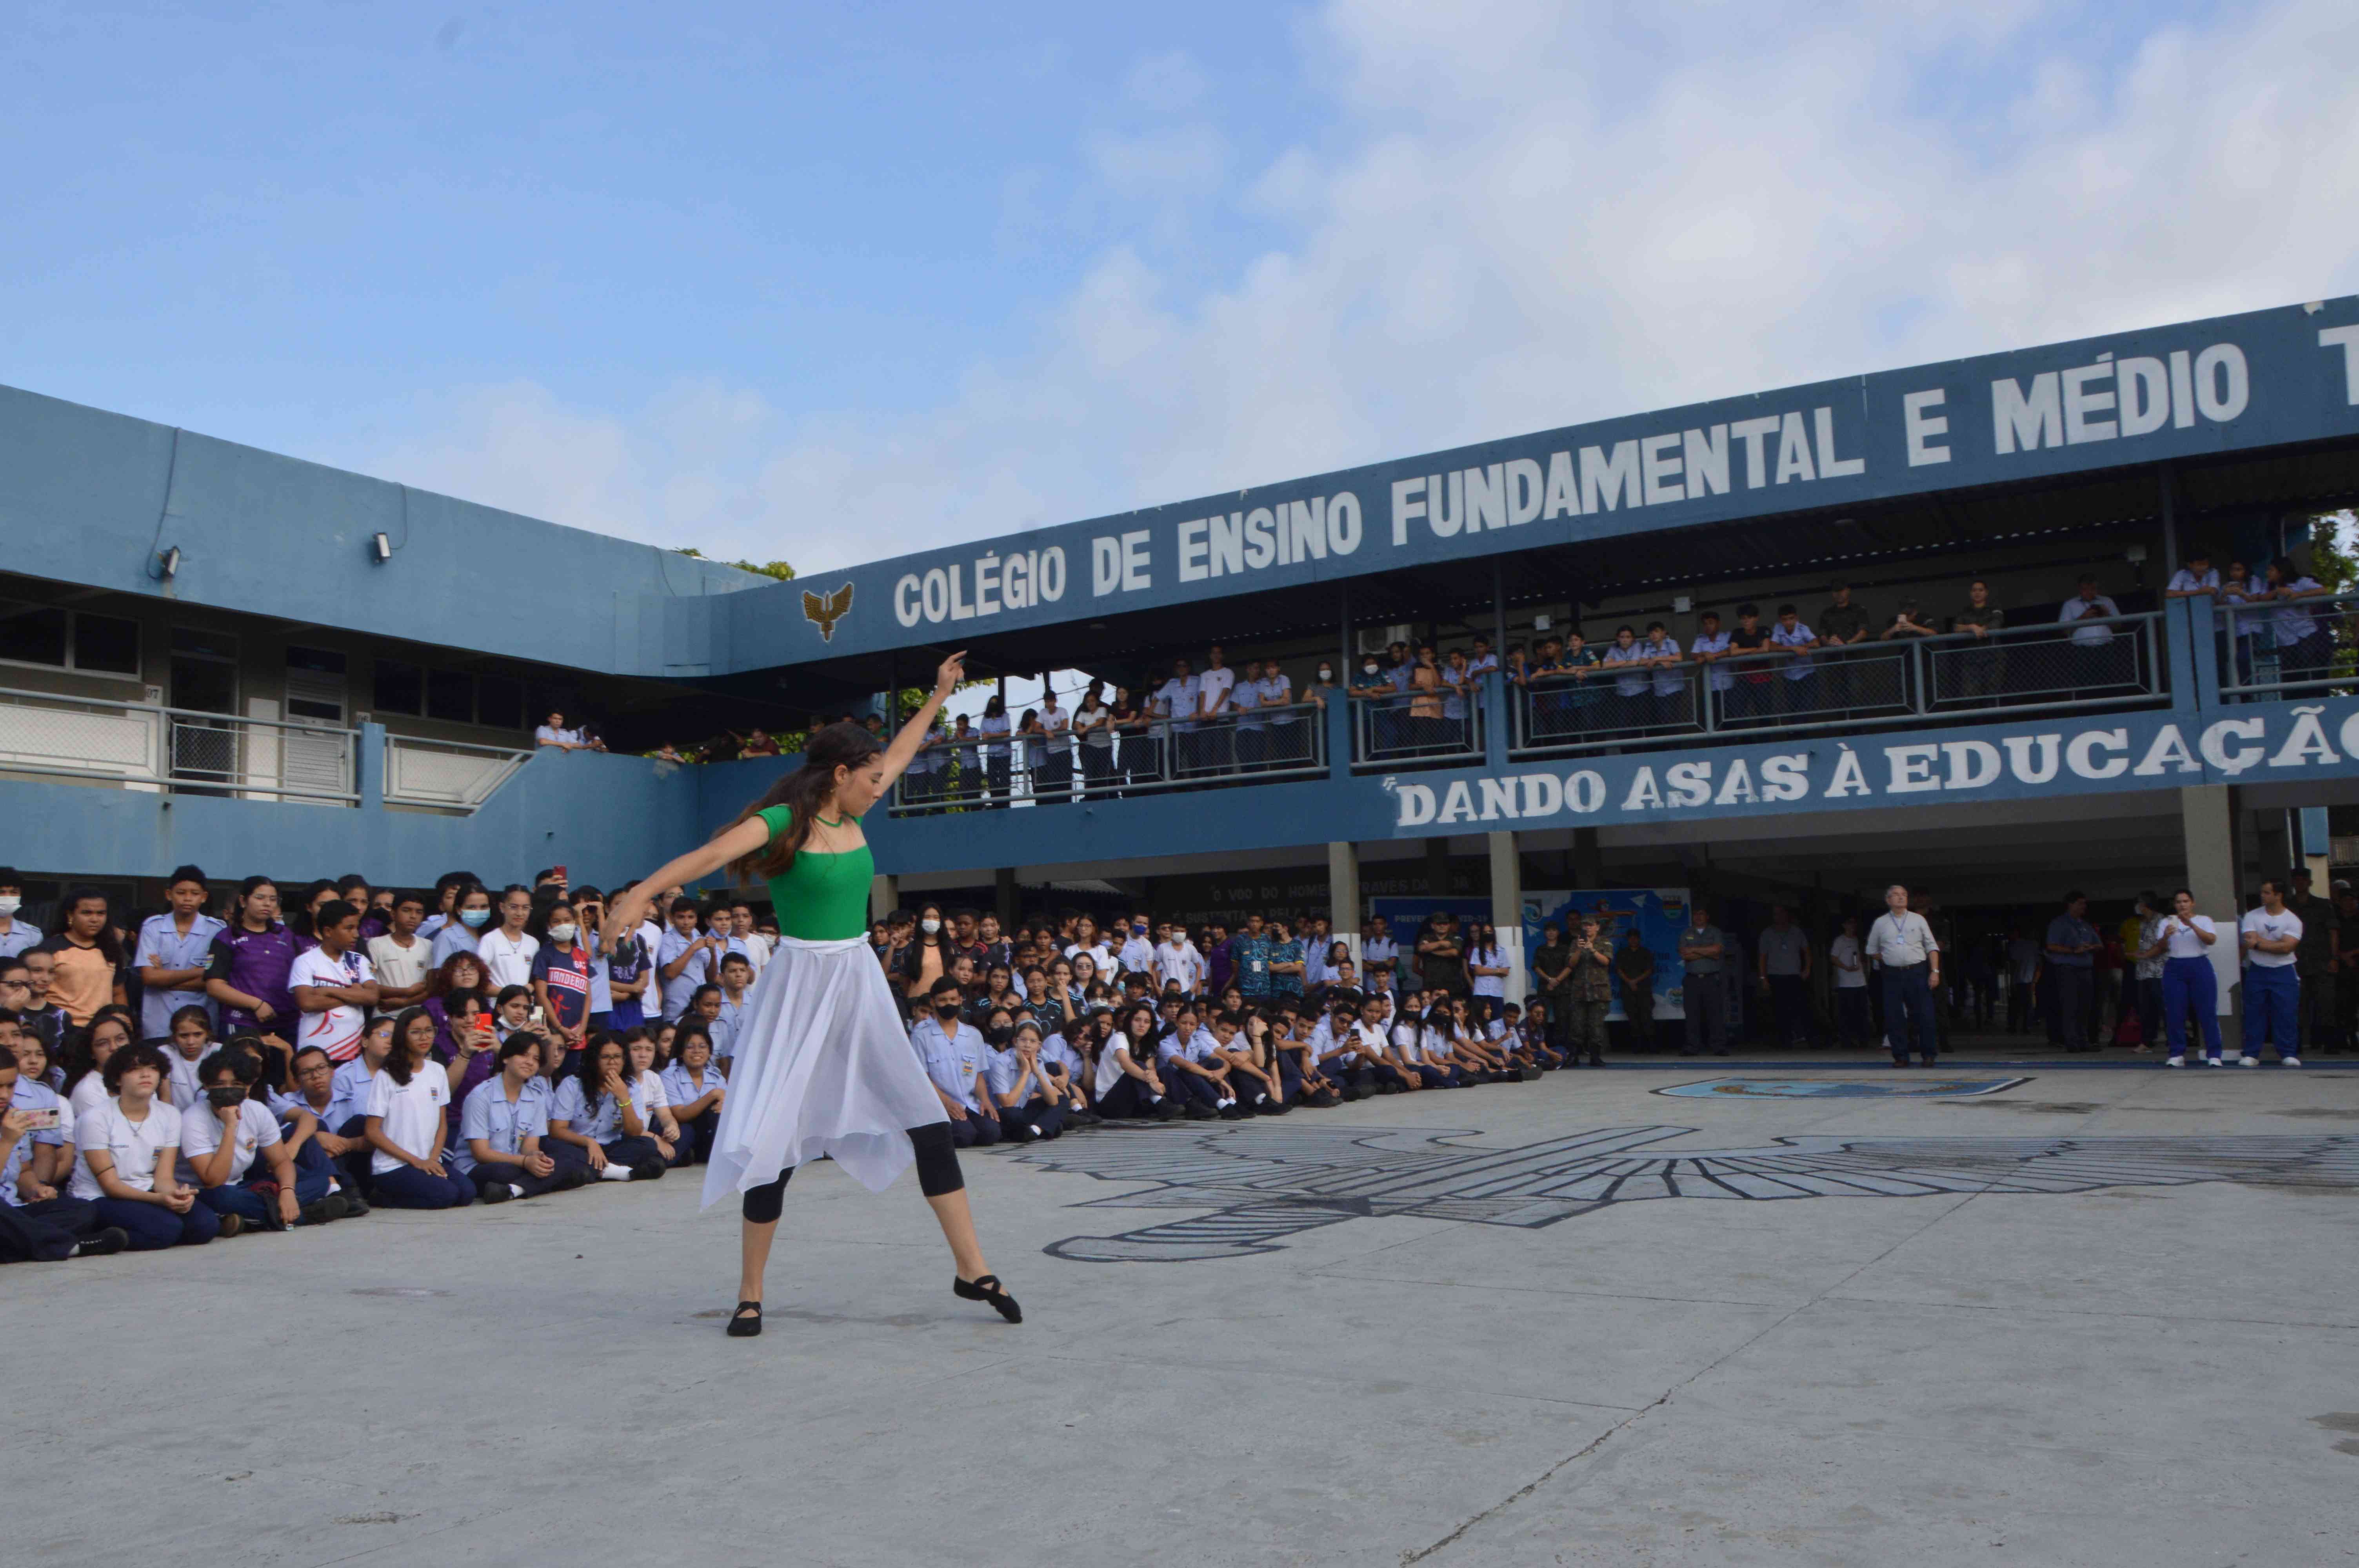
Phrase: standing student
(250, 962)
(595, 1121)
(559, 976)
(173, 951)
(1850, 965)
(2271, 936)
(406, 1121)
(508, 951)
(225, 1135)
(500, 1126)
(1486, 970)
(471, 910)
(129, 1161)
(1909, 960)
(684, 957)
(2183, 941)
(399, 956)
(696, 1091)
(628, 967)
(1093, 724)
(88, 958)
(1783, 955)
(16, 936)
(332, 984)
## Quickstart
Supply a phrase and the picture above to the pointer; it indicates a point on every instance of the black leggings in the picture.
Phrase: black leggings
(938, 1174)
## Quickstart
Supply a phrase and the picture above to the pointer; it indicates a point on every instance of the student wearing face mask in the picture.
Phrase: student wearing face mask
(954, 1056)
(561, 975)
(15, 935)
(470, 912)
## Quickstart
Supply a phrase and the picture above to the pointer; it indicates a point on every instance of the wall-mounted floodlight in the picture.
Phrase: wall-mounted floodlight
(170, 562)
(381, 548)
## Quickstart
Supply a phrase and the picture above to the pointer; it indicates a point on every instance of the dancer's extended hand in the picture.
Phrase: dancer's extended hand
(953, 671)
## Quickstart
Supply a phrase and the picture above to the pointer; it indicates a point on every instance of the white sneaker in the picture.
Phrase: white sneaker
(2289, 1061)
(2176, 1062)
(2211, 1061)
(2250, 1060)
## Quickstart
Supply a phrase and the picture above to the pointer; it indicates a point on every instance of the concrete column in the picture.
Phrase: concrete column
(1588, 860)
(1507, 907)
(1343, 912)
(1004, 889)
(2207, 814)
(369, 771)
(883, 895)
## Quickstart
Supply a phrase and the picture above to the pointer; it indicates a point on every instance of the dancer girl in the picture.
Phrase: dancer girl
(822, 1063)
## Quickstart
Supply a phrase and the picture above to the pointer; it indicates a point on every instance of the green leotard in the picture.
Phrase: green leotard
(823, 897)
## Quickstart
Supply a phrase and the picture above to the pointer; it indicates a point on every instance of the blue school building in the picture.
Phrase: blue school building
(215, 654)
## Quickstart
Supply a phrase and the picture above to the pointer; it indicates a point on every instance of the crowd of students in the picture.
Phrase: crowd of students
(259, 1058)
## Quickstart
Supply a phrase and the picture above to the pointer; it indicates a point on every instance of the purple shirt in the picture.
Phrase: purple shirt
(1223, 963)
(256, 962)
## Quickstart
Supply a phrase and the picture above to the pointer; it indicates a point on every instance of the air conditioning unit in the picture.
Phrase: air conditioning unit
(1376, 638)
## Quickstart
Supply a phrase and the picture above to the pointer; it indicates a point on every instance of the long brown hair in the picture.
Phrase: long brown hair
(831, 747)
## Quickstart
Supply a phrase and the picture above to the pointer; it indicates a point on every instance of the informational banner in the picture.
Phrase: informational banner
(2191, 390)
(1657, 913)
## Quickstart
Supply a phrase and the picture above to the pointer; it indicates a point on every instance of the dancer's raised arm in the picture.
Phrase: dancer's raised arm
(913, 734)
(624, 913)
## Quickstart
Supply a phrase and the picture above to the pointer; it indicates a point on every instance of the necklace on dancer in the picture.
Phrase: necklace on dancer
(823, 822)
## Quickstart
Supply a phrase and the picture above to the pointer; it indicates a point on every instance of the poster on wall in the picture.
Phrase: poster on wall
(1657, 913)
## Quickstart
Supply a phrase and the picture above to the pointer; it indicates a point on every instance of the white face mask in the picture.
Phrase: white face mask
(1326, 674)
(10, 905)
(560, 933)
(1369, 668)
(931, 926)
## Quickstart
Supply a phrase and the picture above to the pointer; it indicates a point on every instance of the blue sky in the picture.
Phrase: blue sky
(827, 282)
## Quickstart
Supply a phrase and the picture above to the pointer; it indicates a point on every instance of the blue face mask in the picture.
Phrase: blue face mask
(474, 919)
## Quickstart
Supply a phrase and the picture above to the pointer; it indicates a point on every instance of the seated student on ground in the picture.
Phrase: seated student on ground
(1470, 1041)
(1196, 1070)
(501, 1128)
(1028, 1108)
(704, 1008)
(312, 1123)
(1127, 1082)
(1446, 1043)
(695, 1090)
(87, 1052)
(1505, 1034)
(1063, 1067)
(129, 1148)
(954, 1054)
(1416, 1050)
(1297, 1061)
(594, 1121)
(648, 1095)
(1347, 1052)
(233, 1152)
(38, 1223)
(190, 1042)
(405, 1120)
(1252, 1068)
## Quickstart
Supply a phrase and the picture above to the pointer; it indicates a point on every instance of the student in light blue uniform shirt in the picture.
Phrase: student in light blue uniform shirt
(683, 959)
(1028, 1109)
(15, 935)
(179, 942)
(593, 1123)
(954, 1056)
(474, 909)
(501, 1128)
(696, 1090)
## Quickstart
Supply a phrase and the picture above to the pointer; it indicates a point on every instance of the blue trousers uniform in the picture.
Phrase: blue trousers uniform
(2189, 983)
(1909, 1010)
(2272, 1005)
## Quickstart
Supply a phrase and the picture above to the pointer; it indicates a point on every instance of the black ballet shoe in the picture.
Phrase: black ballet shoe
(986, 1287)
(744, 1327)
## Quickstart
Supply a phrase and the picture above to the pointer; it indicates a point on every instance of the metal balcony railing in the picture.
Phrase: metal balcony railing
(1428, 729)
(448, 775)
(143, 746)
(2116, 661)
(2287, 647)
(978, 773)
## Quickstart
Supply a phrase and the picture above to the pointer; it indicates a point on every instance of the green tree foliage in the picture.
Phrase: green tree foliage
(780, 570)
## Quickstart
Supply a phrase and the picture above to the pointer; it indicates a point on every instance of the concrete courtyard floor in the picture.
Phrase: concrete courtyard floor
(1335, 1340)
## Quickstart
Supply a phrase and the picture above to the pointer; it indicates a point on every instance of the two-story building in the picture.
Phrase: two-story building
(211, 654)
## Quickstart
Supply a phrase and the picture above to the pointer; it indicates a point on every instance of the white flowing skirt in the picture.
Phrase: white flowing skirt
(823, 1066)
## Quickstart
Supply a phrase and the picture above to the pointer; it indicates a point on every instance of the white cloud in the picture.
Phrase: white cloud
(1520, 217)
